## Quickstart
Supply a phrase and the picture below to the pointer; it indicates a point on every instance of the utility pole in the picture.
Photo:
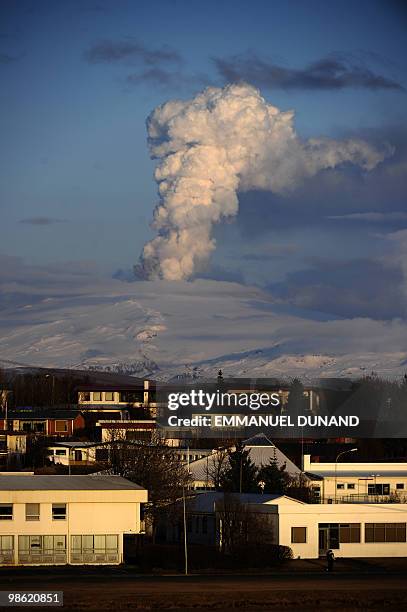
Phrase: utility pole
(351, 450)
(185, 532)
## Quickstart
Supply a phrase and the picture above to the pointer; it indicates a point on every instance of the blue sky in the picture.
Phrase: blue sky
(75, 174)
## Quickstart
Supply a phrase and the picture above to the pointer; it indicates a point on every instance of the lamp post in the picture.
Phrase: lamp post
(366, 493)
(185, 532)
(351, 450)
(375, 485)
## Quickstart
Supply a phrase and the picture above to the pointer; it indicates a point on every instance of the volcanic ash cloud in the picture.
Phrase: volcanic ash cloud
(211, 147)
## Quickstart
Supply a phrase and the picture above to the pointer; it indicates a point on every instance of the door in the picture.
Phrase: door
(323, 540)
(328, 537)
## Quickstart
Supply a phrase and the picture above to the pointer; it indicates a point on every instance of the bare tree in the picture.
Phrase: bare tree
(153, 465)
(240, 526)
(216, 466)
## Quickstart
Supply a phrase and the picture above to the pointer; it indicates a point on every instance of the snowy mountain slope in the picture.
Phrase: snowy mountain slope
(166, 329)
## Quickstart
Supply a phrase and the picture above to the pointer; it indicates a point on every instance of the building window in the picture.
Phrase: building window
(97, 396)
(6, 549)
(60, 451)
(58, 512)
(378, 489)
(132, 397)
(351, 485)
(6, 512)
(42, 548)
(349, 533)
(385, 532)
(109, 396)
(340, 486)
(61, 426)
(400, 486)
(32, 512)
(84, 396)
(91, 548)
(298, 535)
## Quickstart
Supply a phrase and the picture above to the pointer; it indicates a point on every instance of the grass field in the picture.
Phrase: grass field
(116, 589)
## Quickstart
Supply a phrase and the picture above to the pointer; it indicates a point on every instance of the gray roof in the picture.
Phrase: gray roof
(66, 483)
(259, 439)
(260, 455)
(75, 444)
(204, 502)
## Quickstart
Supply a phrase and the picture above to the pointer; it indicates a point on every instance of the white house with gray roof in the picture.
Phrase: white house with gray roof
(261, 451)
(50, 520)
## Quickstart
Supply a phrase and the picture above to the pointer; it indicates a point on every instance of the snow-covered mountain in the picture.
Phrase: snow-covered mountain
(167, 329)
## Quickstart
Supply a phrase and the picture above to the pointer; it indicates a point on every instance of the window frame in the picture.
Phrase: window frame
(66, 427)
(54, 507)
(352, 531)
(372, 528)
(7, 517)
(295, 534)
(33, 516)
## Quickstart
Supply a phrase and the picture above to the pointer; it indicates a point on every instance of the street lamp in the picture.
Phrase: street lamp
(351, 450)
(185, 531)
(375, 485)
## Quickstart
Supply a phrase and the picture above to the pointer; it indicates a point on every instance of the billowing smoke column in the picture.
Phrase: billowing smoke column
(209, 148)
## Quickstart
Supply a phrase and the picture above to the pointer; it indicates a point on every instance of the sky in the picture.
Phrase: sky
(77, 188)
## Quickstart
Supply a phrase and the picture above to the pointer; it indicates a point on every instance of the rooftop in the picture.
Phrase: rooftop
(66, 483)
(205, 501)
(43, 413)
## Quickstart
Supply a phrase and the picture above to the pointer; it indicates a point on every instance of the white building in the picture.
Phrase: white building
(357, 482)
(261, 451)
(351, 530)
(48, 520)
(76, 453)
(118, 399)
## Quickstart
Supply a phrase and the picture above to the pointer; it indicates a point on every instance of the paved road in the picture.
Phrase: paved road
(318, 591)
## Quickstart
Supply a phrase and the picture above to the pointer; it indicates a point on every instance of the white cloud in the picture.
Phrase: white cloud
(209, 148)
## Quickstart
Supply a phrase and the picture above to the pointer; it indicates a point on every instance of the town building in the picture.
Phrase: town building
(350, 530)
(127, 400)
(261, 451)
(50, 520)
(339, 482)
(127, 429)
(74, 454)
(46, 421)
(13, 448)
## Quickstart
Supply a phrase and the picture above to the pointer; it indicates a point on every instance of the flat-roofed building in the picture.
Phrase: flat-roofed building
(337, 482)
(48, 520)
(310, 530)
(123, 399)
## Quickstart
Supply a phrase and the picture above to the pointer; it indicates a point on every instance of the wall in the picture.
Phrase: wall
(311, 515)
(88, 513)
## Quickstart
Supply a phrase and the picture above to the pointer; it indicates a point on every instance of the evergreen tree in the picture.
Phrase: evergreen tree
(241, 474)
(274, 477)
(297, 402)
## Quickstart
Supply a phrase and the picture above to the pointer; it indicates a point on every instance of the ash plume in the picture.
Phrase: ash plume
(223, 141)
